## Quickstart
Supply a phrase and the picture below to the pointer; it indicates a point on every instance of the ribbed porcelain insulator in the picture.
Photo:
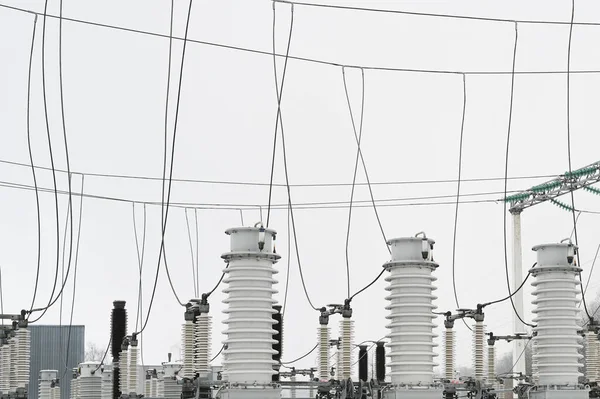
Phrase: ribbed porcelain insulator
(23, 353)
(4, 368)
(591, 356)
(323, 356)
(55, 392)
(491, 364)
(187, 349)
(293, 388)
(45, 384)
(172, 388)
(124, 372)
(73, 393)
(347, 344)
(154, 387)
(160, 387)
(90, 381)
(133, 368)
(107, 382)
(148, 387)
(13, 346)
(449, 353)
(535, 374)
(479, 350)
(411, 319)
(249, 351)
(203, 344)
(338, 363)
(555, 307)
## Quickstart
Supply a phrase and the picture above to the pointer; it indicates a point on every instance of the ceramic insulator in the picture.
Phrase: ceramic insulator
(479, 349)
(154, 387)
(591, 356)
(411, 319)
(148, 387)
(249, 351)
(555, 292)
(133, 368)
(491, 364)
(293, 388)
(45, 383)
(172, 390)
(55, 392)
(124, 372)
(323, 360)
(203, 344)
(74, 384)
(187, 349)
(535, 374)
(160, 385)
(347, 344)
(449, 353)
(338, 363)
(13, 347)
(4, 368)
(90, 381)
(23, 352)
(107, 382)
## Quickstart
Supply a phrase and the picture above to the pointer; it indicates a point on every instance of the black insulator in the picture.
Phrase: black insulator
(116, 376)
(380, 361)
(278, 337)
(363, 363)
(118, 327)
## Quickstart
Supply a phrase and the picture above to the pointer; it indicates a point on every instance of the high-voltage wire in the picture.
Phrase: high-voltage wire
(351, 297)
(209, 293)
(104, 356)
(509, 130)
(62, 269)
(300, 185)
(519, 358)
(189, 233)
(140, 258)
(197, 250)
(458, 181)
(301, 357)
(218, 353)
(436, 15)
(289, 263)
(307, 59)
(358, 141)
(569, 151)
(37, 194)
(513, 293)
(279, 91)
(166, 212)
(591, 271)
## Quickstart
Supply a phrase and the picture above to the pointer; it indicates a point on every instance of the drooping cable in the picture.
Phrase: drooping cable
(218, 353)
(209, 293)
(140, 259)
(303, 356)
(458, 181)
(62, 273)
(368, 285)
(166, 212)
(360, 130)
(362, 159)
(197, 250)
(590, 274)
(104, 356)
(509, 130)
(569, 152)
(519, 358)
(279, 91)
(189, 233)
(512, 294)
(289, 263)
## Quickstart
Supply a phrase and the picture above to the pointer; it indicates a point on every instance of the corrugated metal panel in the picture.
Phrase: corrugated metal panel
(49, 352)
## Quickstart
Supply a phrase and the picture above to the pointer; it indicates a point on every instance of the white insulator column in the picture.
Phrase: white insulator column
(187, 349)
(347, 344)
(107, 382)
(154, 387)
(133, 367)
(45, 383)
(203, 344)
(74, 385)
(491, 364)
(293, 387)
(411, 319)
(479, 346)
(148, 387)
(4, 368)
(535, 372)
(555, 291)
(13, 348)
(124, 371)
(90, 381)
(449, 353)
(591, 356)
(250, 306)
(323, 361)
(172, 390)
(55, 392)
(338, 362)
(23, 336)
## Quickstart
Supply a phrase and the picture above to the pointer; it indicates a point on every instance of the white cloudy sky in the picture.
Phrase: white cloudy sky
(114, 95)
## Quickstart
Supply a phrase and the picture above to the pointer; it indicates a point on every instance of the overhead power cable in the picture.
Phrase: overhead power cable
(189, 233)
(305, 59)
(140, 261)
(511, 294)
(303, 356)
(367, 286)
(436, 15)
(590, 274)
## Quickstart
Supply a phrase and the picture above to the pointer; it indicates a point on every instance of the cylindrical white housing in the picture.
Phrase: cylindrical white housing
(55, 392)
(45, 383)
(203, 344)
(188, 343)
(491, 365)
(556, 289)
(107, 382)
(13, 366)
(479, 346)
(591, 356)
(449, 353)
(133, 368)
(74, 387)
(90, 382)
(160, 384)
(535, 373)
(346, 346)
(249, 351)
(124, 372)
(172, 390)
(23, 336)
(411, 305)
(323, 361)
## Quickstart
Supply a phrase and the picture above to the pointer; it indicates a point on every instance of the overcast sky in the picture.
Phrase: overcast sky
(114, 98)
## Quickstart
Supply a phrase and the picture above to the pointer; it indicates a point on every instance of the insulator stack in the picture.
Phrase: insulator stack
(118, 332)
(90, 381)
(133, 367)
(491, 364)
(363, 363)
(107, 382)
(278, 338)
(124, 373)
(380, 361)
(55, 392)
(116, 383)
(293, 388)
(13, 347)
(187, 349)
(449, 353)
(535, 373)
(411, 319)
(172, 390)
(47, 377)
(338, 363)
(591, 356)
(479, 349)
(160, 385)
(154, 387)
(555, 307)
(323, 361)
(74, 385)
(203, 344)
(4, 367)
(250, 305)
(347, 344)
(148, 387)
(23, 336)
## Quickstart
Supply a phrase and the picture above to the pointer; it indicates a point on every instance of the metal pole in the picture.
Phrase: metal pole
(517, 279)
